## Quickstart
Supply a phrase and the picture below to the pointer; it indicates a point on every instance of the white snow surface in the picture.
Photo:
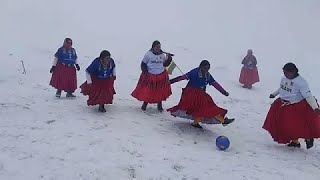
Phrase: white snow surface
(42, 137)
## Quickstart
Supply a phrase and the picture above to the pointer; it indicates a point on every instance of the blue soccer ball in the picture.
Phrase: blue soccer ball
(222, 143)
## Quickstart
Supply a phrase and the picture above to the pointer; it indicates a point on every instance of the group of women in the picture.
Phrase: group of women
(294, 115)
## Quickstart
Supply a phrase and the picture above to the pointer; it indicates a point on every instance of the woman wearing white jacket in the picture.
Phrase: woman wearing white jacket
(295, 114)
(153, 85)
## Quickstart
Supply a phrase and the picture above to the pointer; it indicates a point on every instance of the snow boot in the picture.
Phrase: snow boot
(102, 109)
(293, 144)
(144, 106)
(196, 125)
(309, 143)
(70, 95)
(58, 93)
(247, 86)
(159, 107)
(227, 121)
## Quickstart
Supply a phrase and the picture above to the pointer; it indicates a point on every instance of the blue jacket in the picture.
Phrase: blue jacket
(66, 56)
(97, 69)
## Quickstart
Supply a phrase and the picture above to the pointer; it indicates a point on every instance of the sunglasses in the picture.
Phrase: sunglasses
(69, 42)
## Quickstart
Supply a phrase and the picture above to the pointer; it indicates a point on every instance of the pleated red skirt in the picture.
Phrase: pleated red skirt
(286, 122)
(152, 88)
(249, 76)
(64, 78)
(198, 104)
(100, 91)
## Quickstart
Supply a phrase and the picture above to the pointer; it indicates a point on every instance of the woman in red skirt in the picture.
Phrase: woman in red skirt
(64, 77)
(249, 72)
(154, 85)
(295, 114)
(99, 86)
(195, 103)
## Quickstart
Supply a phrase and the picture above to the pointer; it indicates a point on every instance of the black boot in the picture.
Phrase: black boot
(309, 143)
(159, 106)
(70, 95)
(102, 109)
(227, 121)
(196, 125)
(58, 93)
(293, 144)
(144, 106)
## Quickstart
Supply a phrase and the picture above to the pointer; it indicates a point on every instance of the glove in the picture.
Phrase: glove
(272, 96)
(144, 67)
(52, 69)
(78, 67)
(226, 93)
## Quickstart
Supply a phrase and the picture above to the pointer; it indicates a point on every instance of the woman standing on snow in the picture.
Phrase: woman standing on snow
(195, 103)
(295, 114)
(249, 72)
(64, 77)
(100, 75)
(153, 85)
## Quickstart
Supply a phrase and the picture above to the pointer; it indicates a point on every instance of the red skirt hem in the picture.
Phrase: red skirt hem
(198, 104)
(290, 122)
(152, 88)
(100, 91)
(64, 78)
(249, 76)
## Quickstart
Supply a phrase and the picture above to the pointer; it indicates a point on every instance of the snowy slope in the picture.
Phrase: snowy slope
(42, 137)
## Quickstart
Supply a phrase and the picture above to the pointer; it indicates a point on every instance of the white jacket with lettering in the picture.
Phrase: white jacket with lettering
(295, 90)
